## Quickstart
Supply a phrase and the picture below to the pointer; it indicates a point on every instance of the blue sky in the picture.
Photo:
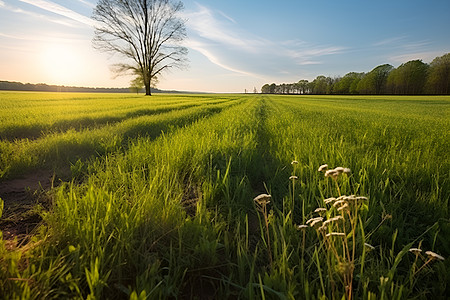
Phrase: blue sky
(233, 45)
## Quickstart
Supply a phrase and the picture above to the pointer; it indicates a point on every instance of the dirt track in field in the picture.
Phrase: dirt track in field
(20, 197)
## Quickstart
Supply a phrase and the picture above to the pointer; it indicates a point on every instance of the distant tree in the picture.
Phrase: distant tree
(278, 89)
(265, 89)
(374, 82)
(439, 76)
(344, 85)
(354, 86)
(380, 75)
(331, 81)
(136, 84)
(320, 85)
(289, 88)
(311, 86)
(255, 91)
(297, 87)
(364, 86)
(272, 88)
(303, 86)
(409, 78)
(145, 32)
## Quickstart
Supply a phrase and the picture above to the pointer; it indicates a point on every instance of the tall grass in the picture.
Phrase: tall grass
(172, 215)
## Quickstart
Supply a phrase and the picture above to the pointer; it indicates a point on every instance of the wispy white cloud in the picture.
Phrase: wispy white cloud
(59, 21)
(426, 56)
(227, 17)
(310, 62)
(402, 49)
(303, 55)
(200, 47)
(205, 23)
(389, 41)
(414, 46)
(219, 38)
(402, 42)
(87, 3)
(65, 38)
(60, 10)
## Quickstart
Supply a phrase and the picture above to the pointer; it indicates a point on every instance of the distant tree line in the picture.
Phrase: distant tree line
(42, 87)
(412, 78)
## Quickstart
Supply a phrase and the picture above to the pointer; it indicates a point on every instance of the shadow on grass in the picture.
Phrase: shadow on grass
(60, 152)
(35, 131)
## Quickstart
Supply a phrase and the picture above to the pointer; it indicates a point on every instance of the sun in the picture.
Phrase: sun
(61, 64)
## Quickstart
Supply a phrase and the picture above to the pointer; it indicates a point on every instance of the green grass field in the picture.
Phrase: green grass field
(152, 197)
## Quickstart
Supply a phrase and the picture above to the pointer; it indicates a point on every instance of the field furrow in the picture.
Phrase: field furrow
(36, 120)
(61, 149)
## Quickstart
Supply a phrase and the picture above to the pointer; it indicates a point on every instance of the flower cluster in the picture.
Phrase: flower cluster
(420, 264)
(263, 199)
(430, 254)
(334, 173)
(336, 223)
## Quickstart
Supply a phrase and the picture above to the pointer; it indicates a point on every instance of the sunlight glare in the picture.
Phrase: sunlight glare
(61, 64)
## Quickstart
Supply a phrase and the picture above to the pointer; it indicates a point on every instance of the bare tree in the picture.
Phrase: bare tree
(145, 32)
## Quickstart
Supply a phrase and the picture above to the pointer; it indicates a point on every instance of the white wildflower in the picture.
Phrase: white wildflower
(415, 250)
(313, 223)
(320, 209)
(331, 173)
(339, 170)
(262, 199)
(335, 234)
(339, 202)
(434, 255)
(343, 207)
(369, 246)
(329, 200)
(323, 168)
(314, 219)
(337, 218)
(326, 222)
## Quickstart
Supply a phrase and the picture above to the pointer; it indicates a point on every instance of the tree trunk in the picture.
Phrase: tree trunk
(148, 91)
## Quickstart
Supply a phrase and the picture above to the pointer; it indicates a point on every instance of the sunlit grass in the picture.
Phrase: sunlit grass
(32, 115)
(56, 149)
(172, 214)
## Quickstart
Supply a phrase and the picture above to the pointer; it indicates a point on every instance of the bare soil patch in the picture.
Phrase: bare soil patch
(21, 197)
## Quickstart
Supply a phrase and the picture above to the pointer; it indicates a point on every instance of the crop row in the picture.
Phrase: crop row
(59, 149)
(33, 115)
